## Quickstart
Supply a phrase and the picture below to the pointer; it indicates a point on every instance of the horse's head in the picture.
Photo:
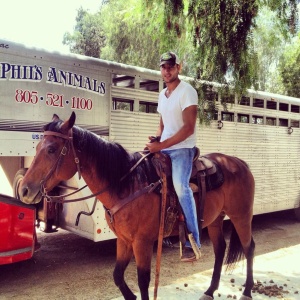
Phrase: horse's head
(53, 162)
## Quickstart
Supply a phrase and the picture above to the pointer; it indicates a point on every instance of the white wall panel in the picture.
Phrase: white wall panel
(272, 153)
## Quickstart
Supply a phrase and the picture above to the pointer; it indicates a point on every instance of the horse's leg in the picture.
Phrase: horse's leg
(215, 231)
(124, 255)
(244, 231)
(143, 251)
(249, 279)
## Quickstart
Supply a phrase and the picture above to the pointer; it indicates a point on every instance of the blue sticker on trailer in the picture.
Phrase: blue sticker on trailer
(37, 136)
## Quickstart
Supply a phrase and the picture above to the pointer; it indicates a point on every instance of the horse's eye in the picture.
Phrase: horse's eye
(51, 150)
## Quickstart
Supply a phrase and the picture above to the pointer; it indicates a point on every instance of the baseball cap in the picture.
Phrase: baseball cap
(169, 58)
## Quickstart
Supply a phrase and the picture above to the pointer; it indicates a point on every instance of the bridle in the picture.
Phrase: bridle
(62, 198)
(69, 140)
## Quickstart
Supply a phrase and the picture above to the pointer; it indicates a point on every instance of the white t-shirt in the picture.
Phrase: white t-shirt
(171, 112)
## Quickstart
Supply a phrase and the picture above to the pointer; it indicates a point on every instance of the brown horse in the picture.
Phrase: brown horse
(104, 166)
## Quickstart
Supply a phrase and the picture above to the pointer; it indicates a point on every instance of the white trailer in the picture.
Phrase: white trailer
(118, 102)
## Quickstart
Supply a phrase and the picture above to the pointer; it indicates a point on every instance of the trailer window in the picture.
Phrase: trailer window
(123, 81)
(271, 121)
(295, 123)
(227, 99)
(245, 101)
(257, 120)
(127, 81)
(226, 116)
(272, 104)
(209, 93)
(211, 115)
(243, 118)
(149, 85)
(258, 103)
(295, 108)
(284, 122)
(122, 104)
(148, 107)
(283, 106)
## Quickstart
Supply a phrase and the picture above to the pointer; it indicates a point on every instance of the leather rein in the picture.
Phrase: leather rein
(62, 198)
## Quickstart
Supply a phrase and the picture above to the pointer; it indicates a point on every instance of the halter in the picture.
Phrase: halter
(68, 140)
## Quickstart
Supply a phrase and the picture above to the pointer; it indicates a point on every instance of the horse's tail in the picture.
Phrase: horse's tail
(235, 251)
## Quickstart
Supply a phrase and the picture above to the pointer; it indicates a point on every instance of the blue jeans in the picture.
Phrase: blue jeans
(182, 163)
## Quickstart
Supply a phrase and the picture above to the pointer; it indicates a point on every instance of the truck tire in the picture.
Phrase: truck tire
(17, 181)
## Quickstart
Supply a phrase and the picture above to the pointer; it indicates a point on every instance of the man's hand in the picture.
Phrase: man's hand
(154, 145)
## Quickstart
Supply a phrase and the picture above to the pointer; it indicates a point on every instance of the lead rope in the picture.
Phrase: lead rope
(161, 231)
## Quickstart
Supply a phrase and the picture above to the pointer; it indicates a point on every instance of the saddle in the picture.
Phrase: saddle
(206, 175)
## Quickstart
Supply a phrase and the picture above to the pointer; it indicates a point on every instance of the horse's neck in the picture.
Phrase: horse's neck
(96, 185)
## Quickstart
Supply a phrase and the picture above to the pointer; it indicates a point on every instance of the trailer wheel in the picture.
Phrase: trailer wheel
(17, 181)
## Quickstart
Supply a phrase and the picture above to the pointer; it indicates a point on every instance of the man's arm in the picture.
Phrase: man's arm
(159, 130)
(160, 127)
(189, 117)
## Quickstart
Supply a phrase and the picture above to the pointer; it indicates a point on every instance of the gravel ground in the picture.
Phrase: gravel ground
(71, 267)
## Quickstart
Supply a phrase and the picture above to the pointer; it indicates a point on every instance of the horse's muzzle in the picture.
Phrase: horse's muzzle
(30, 196)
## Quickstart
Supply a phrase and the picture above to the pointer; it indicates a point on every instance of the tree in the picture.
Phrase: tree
(290, 68)
(88, 37)
(270, 40)
(222, 33)
(133, 35)
(218, 40)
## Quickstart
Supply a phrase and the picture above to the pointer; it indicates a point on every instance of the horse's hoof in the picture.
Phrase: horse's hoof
(206, 297)
(243, 297)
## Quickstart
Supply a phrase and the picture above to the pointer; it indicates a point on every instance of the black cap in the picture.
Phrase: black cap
(169, 58)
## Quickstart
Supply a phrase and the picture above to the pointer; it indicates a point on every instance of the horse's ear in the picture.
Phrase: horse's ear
(55, 118)
(67, 125)
(72, 119)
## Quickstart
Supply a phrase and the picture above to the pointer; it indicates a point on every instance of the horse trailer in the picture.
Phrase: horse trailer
(118, 102)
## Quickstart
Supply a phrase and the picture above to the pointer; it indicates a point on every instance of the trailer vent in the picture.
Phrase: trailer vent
(37, 126)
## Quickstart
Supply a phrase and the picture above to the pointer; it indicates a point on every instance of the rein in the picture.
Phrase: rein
(61, 198)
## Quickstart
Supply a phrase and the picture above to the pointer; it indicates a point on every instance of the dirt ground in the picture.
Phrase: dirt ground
(70, 267)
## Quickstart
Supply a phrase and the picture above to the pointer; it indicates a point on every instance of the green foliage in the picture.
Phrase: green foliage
(269, 42)
(224, 49)
(88, 38)
(290, 68)
(224, 41)
(219, 31)
(286, 11)
(128, 37)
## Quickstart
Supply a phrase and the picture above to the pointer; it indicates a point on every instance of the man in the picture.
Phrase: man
(177, 105)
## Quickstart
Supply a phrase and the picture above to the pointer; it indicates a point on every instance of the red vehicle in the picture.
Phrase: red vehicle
(17, 230)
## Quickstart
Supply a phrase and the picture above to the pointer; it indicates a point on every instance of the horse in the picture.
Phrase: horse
(105, 166)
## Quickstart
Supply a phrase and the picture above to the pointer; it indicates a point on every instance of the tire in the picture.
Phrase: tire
(17, 181)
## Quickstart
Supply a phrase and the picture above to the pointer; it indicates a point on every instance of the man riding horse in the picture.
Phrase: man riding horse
(177, 105)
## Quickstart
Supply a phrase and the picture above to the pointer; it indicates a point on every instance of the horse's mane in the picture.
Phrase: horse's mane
(110, 159)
